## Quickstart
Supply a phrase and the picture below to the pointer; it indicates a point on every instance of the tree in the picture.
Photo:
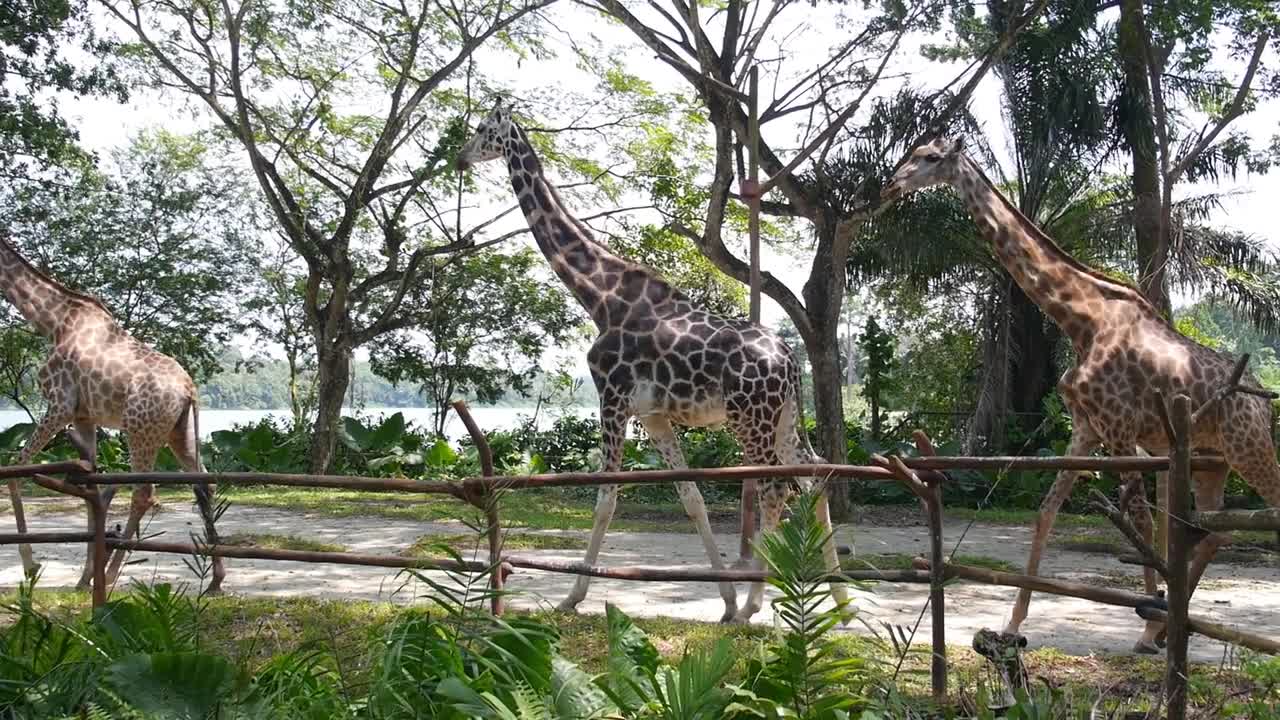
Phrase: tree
(160, 238)
(346, 115)
(275, 313)
(715, 55)
(493, 318)
(879, 348)
(1175, 106)
(34, 63)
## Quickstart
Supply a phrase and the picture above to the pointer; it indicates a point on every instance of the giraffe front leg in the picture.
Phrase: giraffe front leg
(1140, 510)
(613, 430)
(773, 500)
(55, 419)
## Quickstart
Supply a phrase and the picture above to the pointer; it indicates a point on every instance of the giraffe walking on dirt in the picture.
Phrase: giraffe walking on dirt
(1125, 352)
(97, 375)
(662, 359)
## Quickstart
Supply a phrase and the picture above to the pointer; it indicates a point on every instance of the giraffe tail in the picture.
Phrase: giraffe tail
(802, 433)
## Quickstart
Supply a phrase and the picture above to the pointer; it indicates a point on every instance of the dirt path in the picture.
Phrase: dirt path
(1245, 596)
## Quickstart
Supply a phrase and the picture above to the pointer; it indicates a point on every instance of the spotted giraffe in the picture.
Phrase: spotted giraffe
(97, 375)
(1125, 352)
(662, 359)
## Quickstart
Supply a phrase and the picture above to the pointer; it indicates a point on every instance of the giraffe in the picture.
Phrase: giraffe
(660, 358)
(1125, 351)
(97, 375)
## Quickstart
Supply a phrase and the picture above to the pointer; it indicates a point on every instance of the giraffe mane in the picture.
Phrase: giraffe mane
(76, 294)
(582, 228)
(1132, 293)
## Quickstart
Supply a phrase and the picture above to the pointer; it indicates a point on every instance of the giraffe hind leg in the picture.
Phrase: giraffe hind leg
(186, 448)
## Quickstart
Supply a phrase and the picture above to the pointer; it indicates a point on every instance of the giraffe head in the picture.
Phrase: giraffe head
(490, 137)
(930, 164)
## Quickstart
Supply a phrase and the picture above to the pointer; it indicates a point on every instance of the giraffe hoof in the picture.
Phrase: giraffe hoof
(32, 571)
(567, 606)
(1162, 639)
(730, 613)
(1144, 647)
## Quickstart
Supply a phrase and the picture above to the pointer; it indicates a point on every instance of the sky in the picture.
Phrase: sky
(104, 124)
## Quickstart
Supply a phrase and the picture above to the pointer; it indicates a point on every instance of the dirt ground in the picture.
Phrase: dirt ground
(1245, 595)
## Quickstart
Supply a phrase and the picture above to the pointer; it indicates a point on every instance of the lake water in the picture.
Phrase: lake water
(488, 418)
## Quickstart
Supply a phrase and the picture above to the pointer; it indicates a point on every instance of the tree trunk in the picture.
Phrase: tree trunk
(1019, 370)
(1032, 371)
(333, 376)
(823, 296)
(1138, 126)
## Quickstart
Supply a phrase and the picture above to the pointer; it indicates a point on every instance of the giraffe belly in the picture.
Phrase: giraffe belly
(702, 410)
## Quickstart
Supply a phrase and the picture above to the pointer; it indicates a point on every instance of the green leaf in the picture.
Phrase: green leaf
(440, 455)
(388, 432)
(355, 435)
(175, 685)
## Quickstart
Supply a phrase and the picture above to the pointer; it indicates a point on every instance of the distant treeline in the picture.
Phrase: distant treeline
(265, 386)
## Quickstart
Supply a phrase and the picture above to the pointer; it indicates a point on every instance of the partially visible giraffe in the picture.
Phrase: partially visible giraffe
(1125, 352)
(662, 359)
(97, 375)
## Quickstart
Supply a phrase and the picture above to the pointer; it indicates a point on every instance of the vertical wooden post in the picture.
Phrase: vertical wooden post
(1162, 515)
(937, 572)
(751, 191)
(488, 502)
(1179, 555)
(937, 582)
(98, 514)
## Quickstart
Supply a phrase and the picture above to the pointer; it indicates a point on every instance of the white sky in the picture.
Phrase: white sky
(104, 125)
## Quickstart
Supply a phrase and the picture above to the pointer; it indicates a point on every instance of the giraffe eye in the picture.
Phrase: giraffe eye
(932, 157)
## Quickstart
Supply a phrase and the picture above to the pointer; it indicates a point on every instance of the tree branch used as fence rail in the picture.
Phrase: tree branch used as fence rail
(1226, 520)
(646, 477)
(55, 468)
(307, 556)
(44, 538)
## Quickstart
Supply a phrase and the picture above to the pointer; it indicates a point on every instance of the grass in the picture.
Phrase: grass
(255, 629)
(998, 516)
(281, 542)
(902, 561)
(427, 545)
(550, 509)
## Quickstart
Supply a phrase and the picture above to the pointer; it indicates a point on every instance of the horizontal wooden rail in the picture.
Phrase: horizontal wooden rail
(346, 482)
(307, 556)
(44, 538)
(660, 574)
(1064, 462)
(640, 477)
(1223, 520)
(1106, 596)
(54, 468)
(1217, 632)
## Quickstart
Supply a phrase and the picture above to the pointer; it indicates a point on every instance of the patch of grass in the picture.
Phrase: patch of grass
(427, 545)
(999, 516)
(281, 542)
(548, 509)
(902, 561)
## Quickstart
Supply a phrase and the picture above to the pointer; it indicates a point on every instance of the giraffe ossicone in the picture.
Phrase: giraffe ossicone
(662, 359)
(97, 375)
(1125, 352)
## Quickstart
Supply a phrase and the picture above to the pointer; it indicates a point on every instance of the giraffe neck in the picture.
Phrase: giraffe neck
(588, 269)
(1070, 293)
(43, 301)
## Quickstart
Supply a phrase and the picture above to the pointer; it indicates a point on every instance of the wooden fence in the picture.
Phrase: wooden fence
(923, 476)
